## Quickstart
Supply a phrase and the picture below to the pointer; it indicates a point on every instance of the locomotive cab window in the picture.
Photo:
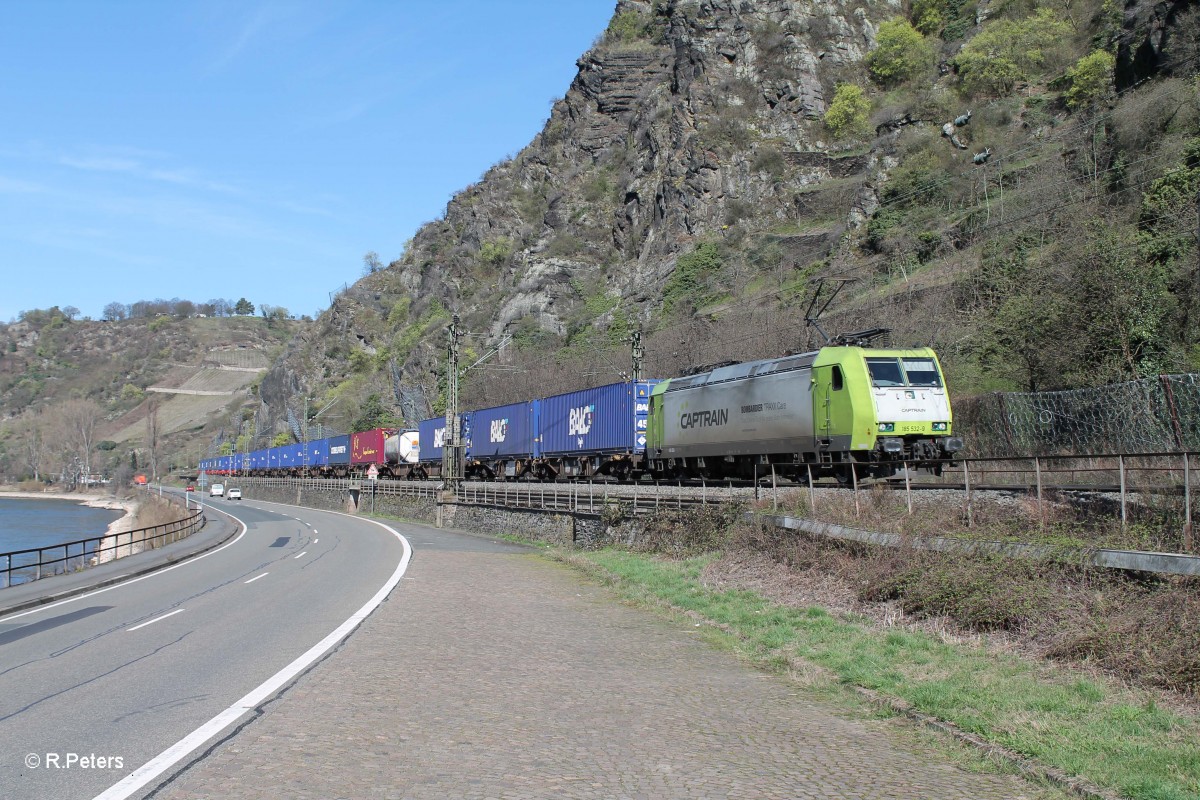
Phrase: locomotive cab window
(835, 375)
(885, 371)
(921, 372)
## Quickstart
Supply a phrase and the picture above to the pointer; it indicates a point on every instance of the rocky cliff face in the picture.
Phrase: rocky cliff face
(694, 122)
(687, 120)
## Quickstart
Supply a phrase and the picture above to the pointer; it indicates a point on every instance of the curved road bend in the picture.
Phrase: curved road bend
(93, 688)
(496, 673)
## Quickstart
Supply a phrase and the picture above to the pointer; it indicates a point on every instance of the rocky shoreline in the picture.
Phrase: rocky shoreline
(122, 524)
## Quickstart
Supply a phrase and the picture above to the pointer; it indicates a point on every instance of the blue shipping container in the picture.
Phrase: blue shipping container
(318, 453)
(431, 433)
(339, 449)
(291, 455)
(506, 431)
(605, 419)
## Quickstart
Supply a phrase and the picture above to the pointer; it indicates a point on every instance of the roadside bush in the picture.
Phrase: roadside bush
(690, 532)
(980, 592)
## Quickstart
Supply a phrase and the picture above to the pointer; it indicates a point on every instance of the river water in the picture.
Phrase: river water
(40, 523)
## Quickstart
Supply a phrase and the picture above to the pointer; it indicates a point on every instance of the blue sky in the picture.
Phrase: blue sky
(208, 150)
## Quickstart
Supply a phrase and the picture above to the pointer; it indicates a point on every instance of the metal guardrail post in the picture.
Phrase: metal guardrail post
(908, 488)
(967, 489)
(1037, 468)
(774, 490)
(1187, 504)
(812, 492)
(1124, 513)
(854, 486)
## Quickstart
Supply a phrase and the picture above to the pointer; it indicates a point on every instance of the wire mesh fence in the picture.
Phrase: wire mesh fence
(1147, 416)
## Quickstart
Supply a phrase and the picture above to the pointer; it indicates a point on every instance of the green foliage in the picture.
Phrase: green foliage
(496, 252)
(399, 313)
(629, 27)
(374, 414)
(131, 394)
(1129, 305)
(688, 284)
(1091, 78)
(281, 438)
(243, 307)
(921, 178)
(927, 16)
(948, 18)
(158, 323)
(847, 114)
(901, 53)
(106, 445)
(1009, 51)
(360, 361)
(226, 449)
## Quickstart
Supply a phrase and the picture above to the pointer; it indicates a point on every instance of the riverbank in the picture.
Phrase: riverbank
(123, 524)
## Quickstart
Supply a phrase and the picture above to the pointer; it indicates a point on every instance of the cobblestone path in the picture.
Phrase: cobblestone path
(491, 673)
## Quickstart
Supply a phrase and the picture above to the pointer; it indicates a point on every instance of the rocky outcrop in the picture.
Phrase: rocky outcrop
(1157, 37)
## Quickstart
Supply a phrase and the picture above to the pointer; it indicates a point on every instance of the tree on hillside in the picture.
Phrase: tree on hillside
(371, 263)
(374, 414)
(901, 53)
(115, 311)
(78, 420)
(153, 437)
(243, 308)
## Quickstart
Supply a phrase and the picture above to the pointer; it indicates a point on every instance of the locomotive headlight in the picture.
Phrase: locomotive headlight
(939, 426)
(887, 427)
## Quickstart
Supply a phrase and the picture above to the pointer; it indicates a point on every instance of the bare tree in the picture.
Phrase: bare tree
(30, 439)
(116, 311)
(371, 263)
(153, 444)
(78, 420)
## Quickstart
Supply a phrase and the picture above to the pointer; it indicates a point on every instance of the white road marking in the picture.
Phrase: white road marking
(194, 740)
(316, 540)
(301, 555)
(156, 619)
(256, 577)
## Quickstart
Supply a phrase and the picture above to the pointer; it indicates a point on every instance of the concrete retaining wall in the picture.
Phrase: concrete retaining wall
(552, 527)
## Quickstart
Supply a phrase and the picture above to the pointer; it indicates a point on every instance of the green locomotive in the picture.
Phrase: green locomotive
(812, 414)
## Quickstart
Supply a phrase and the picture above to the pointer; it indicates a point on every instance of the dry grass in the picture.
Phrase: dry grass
(1144, 631)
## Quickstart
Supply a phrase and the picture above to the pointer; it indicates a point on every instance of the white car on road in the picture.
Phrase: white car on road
(234, 494)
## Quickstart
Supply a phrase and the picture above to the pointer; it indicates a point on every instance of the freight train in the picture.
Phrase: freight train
(841, 412)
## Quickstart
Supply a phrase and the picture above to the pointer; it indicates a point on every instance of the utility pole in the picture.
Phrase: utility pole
(639, 353)
(452, 455)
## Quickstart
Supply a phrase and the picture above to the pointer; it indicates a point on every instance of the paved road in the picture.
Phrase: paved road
(94, 687)
(491, 673)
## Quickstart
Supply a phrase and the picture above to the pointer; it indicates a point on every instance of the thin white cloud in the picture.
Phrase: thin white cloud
(17, 186)
(243, 38)
(100, 163)
(188, 178)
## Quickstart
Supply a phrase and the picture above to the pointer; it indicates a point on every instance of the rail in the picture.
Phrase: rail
(23, 566)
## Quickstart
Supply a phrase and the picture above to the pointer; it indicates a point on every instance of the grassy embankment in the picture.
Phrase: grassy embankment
(1073, 717)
